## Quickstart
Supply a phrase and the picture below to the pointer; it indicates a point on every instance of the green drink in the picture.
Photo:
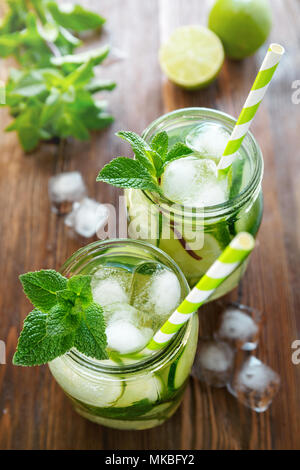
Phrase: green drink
(139, 287)
(197, 214)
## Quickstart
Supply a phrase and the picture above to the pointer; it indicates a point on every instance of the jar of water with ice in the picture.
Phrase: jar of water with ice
(138, 286)
(199, 210)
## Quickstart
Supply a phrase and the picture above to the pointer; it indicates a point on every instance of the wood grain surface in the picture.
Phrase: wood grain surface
(34, 413)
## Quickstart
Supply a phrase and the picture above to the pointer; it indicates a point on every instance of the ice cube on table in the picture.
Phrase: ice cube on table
(64, 189)
(87, 217)
(213, 363)
(111, 284)
(255, 384)
(193, 182)
(239, 325)
(124, 337)
(156, 292)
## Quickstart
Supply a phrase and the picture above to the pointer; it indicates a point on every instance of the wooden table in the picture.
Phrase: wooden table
(34, 413)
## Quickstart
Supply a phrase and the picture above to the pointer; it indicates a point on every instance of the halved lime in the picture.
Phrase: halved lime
(192, 57)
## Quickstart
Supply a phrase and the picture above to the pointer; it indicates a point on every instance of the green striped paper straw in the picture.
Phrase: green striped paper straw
(233, 255)
(258, 90)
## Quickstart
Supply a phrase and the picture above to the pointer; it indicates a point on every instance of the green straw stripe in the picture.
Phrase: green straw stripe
(233, 256)
(168, 327)
(247, 114)
(187, 307)
(208, 283)
(233, 146)
(264, 77)
(153, 345)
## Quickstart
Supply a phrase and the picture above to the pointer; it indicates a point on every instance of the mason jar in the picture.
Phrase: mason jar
(125, 392)
(195, 237)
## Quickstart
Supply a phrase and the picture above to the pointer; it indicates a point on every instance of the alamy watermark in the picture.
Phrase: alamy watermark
(154, 222)
(296, 354)
(2, 352)
(296, 94)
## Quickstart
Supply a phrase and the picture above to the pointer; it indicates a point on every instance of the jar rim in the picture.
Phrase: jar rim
(153, 359)
(224, 208)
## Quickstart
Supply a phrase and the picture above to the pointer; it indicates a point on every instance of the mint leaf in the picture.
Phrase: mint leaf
(96, 55)
(75, 17)
(81, 286)
(178, 150)
(139, 147)
(127, 173)
(97, 84)
(90, 337)
(41, 287)
(160, 144)
(66, 298)
(61, 321)
(35, 346)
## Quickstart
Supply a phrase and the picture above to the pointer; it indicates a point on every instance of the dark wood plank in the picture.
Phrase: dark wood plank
(34, 414)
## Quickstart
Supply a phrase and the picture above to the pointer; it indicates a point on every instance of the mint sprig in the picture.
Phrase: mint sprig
(64, 316)
(150, 161)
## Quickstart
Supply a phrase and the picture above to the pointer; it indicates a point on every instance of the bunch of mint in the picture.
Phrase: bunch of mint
(64, 316)
(150, 161)
(52, 95)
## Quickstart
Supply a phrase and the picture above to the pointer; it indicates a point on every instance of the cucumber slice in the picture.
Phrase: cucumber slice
(120, 423)
(180, 369)
(147, 388)
(82, 387)
(193, 268)
(158, 410)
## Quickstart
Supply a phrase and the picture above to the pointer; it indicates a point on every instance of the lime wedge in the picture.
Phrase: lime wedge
(192, 57)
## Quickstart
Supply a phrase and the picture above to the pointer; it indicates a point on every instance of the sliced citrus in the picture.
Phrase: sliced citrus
(192, 57)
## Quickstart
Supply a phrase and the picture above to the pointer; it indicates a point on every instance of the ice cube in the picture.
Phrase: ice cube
(109, 291)
(193, 182)
(121, 311)
(209, 140)
(156, 292)
(64, 189)
(111, 284)
(214, 363)
(124, 337)
(239, 325)
(255, 384)
(87, 217)
(164, 292)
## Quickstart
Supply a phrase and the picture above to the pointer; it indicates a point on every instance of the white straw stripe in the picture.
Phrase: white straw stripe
(226, 160)
(196, 295)
(240, 130)
(161, 337)
(255, 96)
(178, 318)
(270, 61)
(244, 241)
(219, 269)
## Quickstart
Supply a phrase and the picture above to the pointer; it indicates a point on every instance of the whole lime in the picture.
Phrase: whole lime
(242, 25)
